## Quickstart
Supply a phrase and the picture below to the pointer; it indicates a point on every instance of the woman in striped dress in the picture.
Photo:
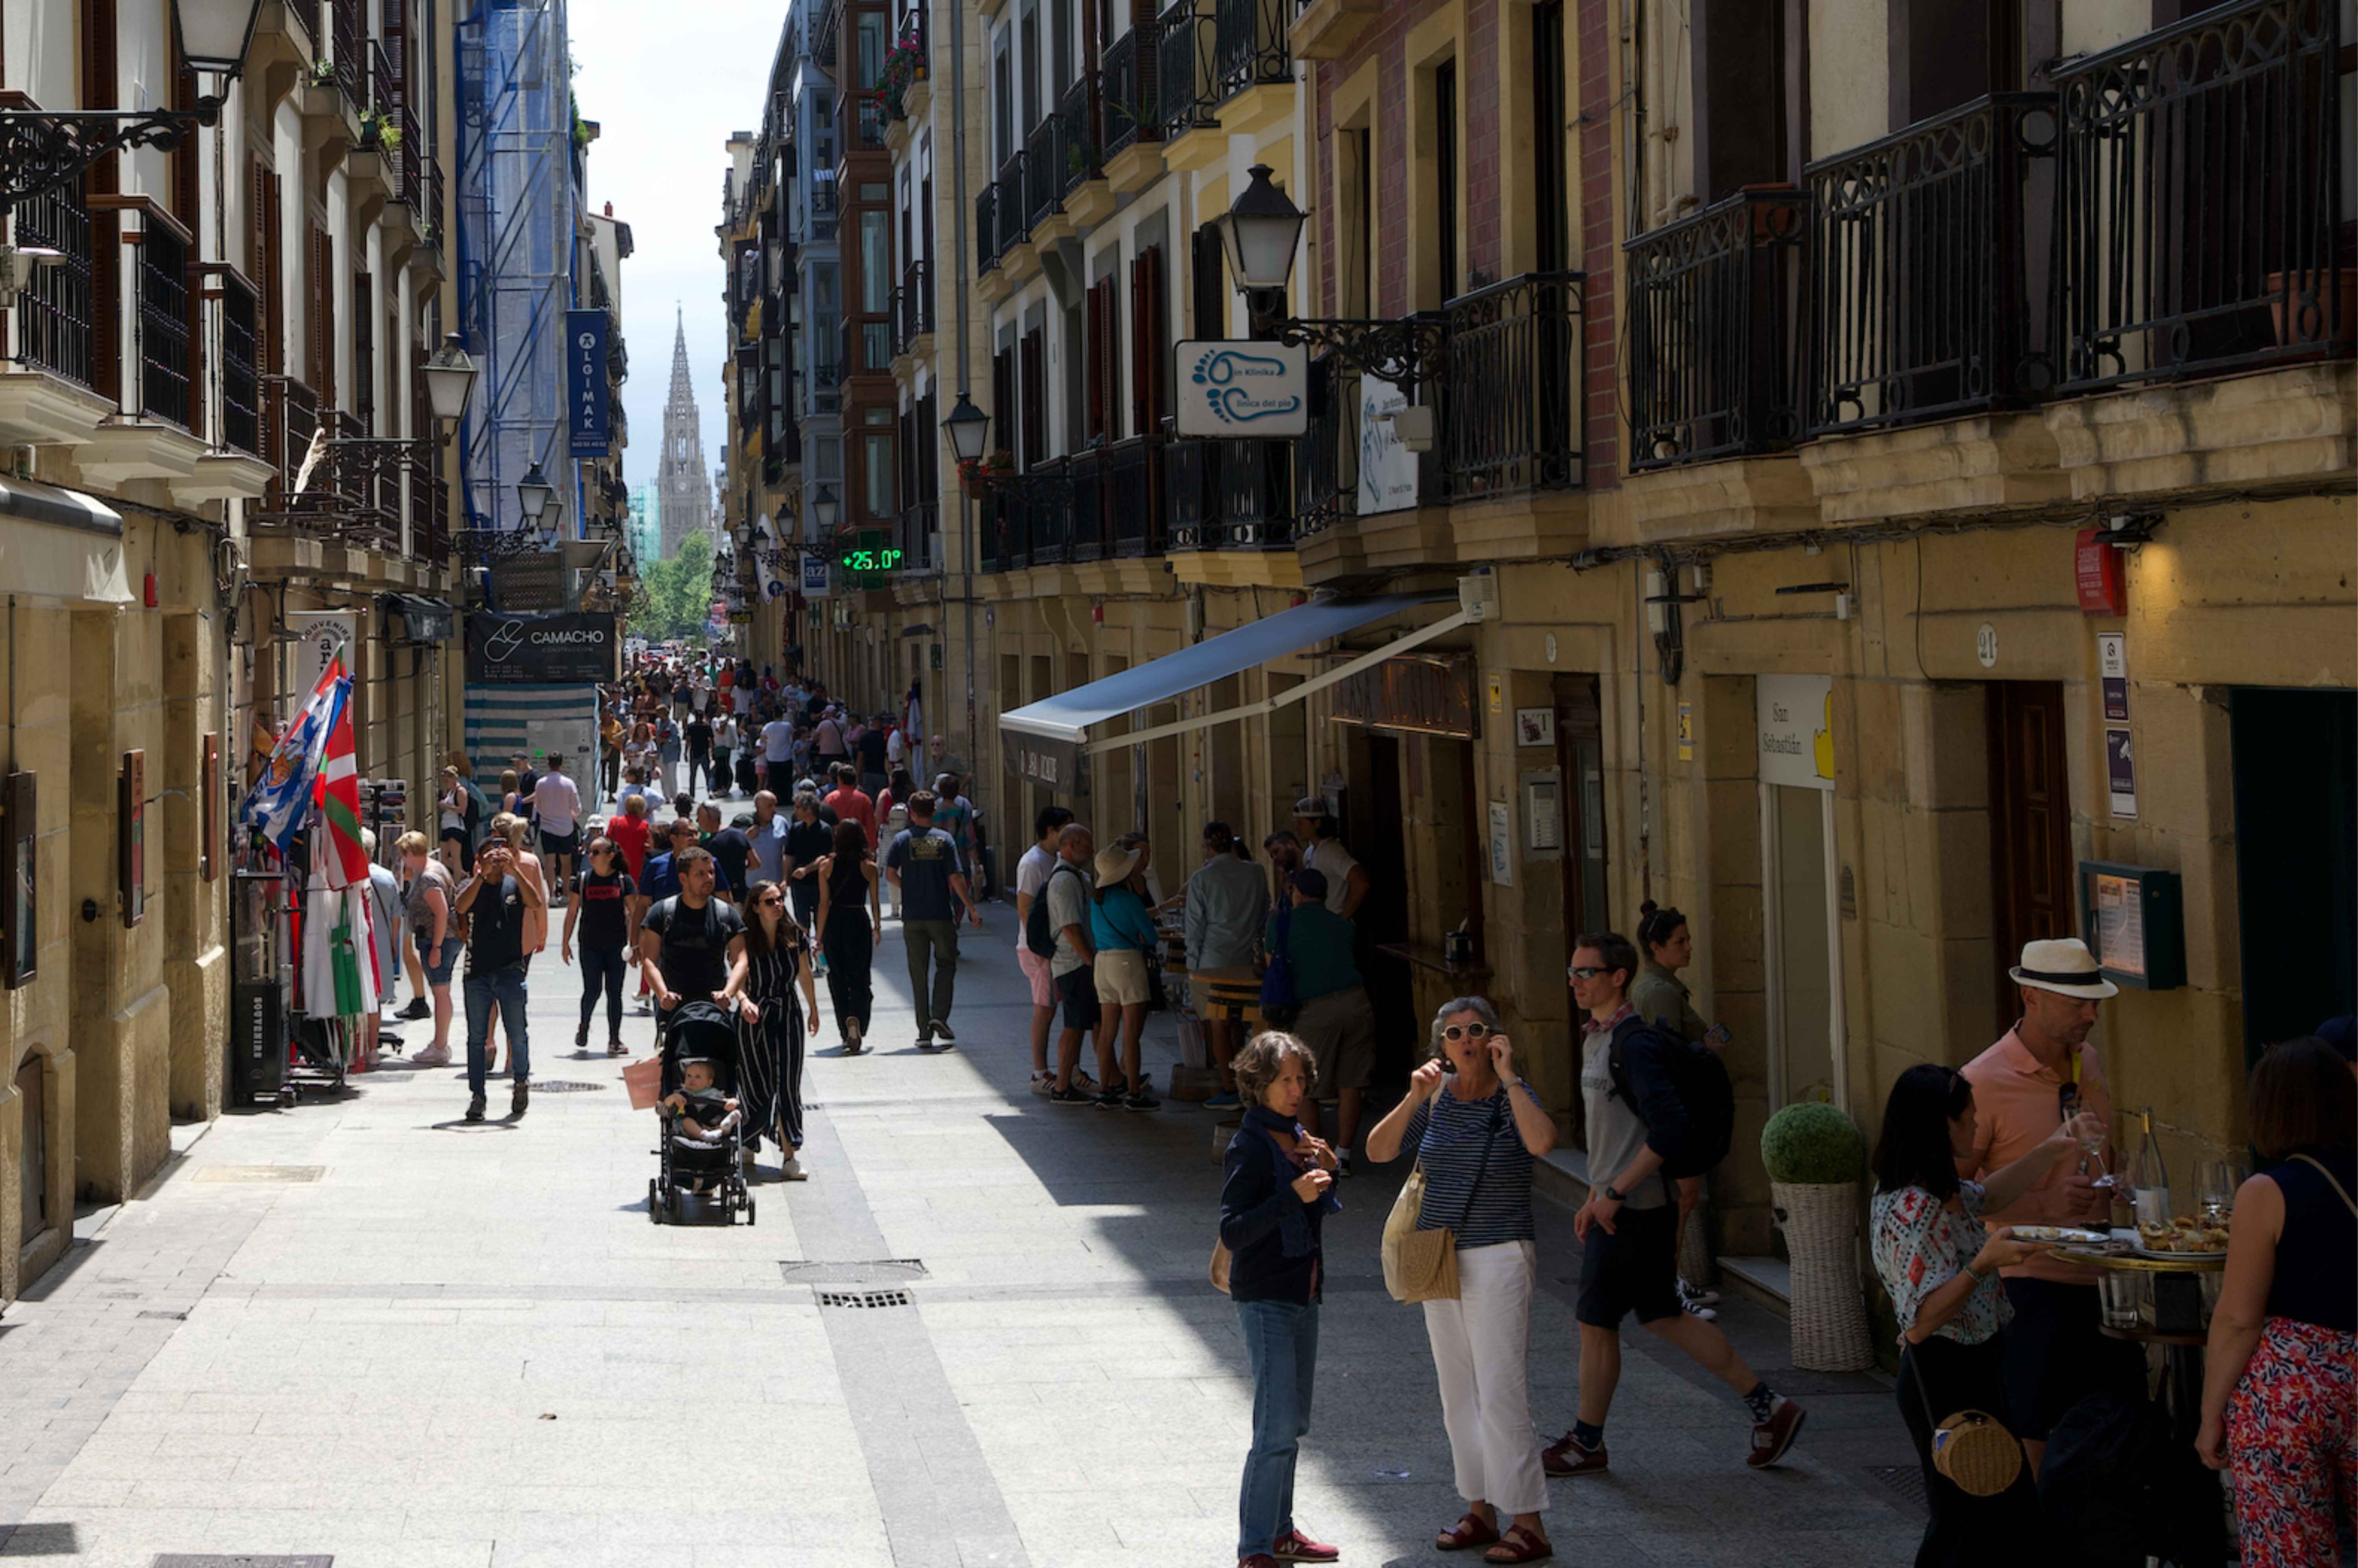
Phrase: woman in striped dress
(1476, 1128)
(772, 1020)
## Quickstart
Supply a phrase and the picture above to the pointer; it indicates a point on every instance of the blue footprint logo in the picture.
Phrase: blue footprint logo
(1222, 367)
(1226, 376)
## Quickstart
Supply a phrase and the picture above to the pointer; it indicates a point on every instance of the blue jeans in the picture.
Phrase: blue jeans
(1282, 1345)
(505, 988)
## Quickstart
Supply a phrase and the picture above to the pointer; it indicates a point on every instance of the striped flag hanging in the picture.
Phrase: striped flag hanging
(275, 807)
(339, 795)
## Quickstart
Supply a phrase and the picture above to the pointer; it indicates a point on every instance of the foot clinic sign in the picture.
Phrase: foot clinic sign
(540, 650)
(1256, 390)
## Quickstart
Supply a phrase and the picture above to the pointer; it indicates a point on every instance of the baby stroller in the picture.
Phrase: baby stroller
(709, 1170)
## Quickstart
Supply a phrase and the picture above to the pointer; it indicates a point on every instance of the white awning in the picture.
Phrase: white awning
(60, 544)
(1043, 742)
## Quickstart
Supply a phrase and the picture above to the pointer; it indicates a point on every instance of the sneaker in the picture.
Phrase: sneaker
(1074, 1095)
(1043, 1082)
(433, 1056)
(1295, 1547)
(1773, 1436)
(1342, 1163)
(581, 1038)
(924, 1037)
(1569, 1456)
(1695, 1309)
(941, 1027)
(475, 1109)
(616, 1048)
(1225, 1100)
(418, 1008)
(1140, 1102)
(1111, 1100)
(792, 1171)
(1086, 1084)
(1701, 1295)
(519, 1099)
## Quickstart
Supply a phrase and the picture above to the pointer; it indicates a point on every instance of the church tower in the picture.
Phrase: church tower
(683, 496)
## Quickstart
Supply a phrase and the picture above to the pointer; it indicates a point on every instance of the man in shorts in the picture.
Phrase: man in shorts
(1072, 970)
(556, 803)
(1031, 876)
(1336, 1021)
(1629, 1229)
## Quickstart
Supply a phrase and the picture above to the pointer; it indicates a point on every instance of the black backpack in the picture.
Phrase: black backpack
(2117, 1487)
(1699, 1080)
(1038, 935)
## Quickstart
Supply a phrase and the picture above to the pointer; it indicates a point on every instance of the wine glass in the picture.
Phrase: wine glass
(2216, 1184)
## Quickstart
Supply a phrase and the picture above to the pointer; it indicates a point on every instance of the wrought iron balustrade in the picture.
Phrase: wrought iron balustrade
(916, 307)
(1134, 501)
(986, 228)
(1043, 176)
(53, 313)
(1325, 456)
(1014, 217)
(1185, 70)
(1132, 88)
(340, 30)
(382, 96)
(1713, 339)
(1928, 267)
(166, 315)
(1047, 492)
(866, 132)
(237, 356)
(2201, 216)
(1091, 541)
(1507, 417)
(1191, 471)
(1251, 44)
(1256, 491)
(291, 417)
(1076, 144)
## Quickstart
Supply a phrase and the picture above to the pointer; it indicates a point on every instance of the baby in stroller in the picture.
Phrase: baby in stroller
(702, 1147)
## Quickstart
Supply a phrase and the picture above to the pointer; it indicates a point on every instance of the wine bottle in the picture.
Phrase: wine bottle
(2152, 1178)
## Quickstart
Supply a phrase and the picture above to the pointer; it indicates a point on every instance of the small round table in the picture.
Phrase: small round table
(2181, 1351)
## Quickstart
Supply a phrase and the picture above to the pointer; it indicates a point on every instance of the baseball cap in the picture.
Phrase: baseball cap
(1311, 805)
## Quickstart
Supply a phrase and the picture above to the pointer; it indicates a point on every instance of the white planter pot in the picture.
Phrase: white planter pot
(1821, 1226)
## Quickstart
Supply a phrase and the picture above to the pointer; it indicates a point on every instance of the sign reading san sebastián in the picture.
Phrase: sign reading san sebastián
(540, 650)
(1254, 390)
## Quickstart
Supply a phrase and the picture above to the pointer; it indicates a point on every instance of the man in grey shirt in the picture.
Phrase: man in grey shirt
(1071, 968)
(769, 836)
(1228, 904)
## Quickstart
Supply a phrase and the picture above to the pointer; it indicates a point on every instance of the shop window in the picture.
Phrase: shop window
(33, 1149)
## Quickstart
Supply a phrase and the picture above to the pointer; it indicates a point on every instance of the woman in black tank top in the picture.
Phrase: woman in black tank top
(849, 922)
(2280, 1385)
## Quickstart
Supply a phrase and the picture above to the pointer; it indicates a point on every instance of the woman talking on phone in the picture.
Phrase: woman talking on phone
(1660, 999)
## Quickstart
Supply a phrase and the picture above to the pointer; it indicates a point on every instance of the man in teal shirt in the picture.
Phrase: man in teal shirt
(1338, 1021)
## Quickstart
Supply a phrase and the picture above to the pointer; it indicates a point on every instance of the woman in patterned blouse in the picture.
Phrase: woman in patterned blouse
(1941, 1269)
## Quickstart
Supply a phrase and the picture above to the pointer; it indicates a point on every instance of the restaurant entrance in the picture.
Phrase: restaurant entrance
(2296, 774)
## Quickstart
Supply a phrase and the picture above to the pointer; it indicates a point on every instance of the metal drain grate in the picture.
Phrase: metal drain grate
(871, 1271)
(865, 1301)
(1907, 1480)
(563, 1087)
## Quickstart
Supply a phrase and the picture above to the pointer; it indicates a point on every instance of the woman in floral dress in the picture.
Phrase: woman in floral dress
(1941, 1269)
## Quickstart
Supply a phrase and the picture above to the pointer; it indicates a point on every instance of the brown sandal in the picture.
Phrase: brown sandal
(1520, 1545)
(1469, 1532)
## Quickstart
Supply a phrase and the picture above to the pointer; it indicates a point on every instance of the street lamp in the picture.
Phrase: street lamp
(969, 429)
(537, 495)
(449, 382)
(41, 151)
(825, 507)
(1261, 230)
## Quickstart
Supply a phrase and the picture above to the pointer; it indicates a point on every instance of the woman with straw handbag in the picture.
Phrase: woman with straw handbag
(1476, 1127)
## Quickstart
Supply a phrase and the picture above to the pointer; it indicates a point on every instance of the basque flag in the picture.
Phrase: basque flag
(275, 807)
(346, 864)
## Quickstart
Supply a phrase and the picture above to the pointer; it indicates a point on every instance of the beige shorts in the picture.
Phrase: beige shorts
(1340, 1030)
(1226, 995)
(1121, 977)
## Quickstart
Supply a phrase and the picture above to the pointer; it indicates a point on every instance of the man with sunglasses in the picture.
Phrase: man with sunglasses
(1629, 1229)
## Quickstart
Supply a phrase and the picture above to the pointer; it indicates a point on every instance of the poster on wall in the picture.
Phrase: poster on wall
(19, 870)
(1502, 846)
(1796, 721)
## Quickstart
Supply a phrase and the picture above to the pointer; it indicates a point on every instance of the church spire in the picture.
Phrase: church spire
(684, 491)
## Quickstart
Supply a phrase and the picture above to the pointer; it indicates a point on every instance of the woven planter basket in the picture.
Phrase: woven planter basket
(1821, 1226)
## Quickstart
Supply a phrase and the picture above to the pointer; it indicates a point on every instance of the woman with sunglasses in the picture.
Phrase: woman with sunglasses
(603, 916)
(1941, 1269)
(771, 1022)
(849, 933)
(1476, 1126)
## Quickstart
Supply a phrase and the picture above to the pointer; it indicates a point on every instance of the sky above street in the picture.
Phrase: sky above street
(667, 84)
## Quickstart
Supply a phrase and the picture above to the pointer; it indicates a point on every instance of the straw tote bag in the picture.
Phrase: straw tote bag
(1422, 1265)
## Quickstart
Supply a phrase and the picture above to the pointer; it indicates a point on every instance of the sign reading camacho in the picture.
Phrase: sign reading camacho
(541, 650)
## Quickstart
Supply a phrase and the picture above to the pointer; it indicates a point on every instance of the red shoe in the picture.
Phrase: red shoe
(1520, 1545)
(1567, 1456)
(1466, 1534)
(1295, 1547)
(1258, 1560)
(1772, 1437)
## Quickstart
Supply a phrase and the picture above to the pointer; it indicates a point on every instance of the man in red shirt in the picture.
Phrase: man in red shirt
(849, 803)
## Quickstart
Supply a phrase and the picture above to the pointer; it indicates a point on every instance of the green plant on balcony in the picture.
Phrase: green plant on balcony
(324, 71)
(1079, 158)
(904, 66)
(378, 132)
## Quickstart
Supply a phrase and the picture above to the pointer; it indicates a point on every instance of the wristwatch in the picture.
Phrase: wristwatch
(1616, 1196)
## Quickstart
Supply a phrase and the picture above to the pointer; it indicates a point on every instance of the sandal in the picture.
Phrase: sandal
(1469, 1533)
(1520, 1545)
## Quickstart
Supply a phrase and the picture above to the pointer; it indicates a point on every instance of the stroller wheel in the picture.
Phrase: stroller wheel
(749, 1211)
(655, 1202)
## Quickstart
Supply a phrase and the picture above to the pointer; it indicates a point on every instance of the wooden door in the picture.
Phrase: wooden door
(2030, 826)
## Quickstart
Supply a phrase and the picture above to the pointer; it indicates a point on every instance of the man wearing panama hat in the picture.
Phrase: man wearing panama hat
(2042, 1072)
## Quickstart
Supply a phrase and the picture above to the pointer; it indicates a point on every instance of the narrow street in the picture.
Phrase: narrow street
(365, 1330)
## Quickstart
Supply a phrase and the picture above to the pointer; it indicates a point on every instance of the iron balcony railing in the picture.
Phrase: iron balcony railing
(1133, 496)
(1229, 495)
(916, 307)
(1326, 455)
(166, 365)
(382, 98)
(1928, 268)
(1077, 155)
(237, 359)
(53, 313)
(1510, 395)
(1250, 44)
(1132, 88)
(1014, 216)
(986, 228)
(291, 417)
(1188, 81)
(1714, 335)
(2200, 208)
(1046, 489)
(1043, 172)
(340, 30)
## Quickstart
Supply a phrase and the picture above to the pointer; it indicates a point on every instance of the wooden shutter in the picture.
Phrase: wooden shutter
(1149, 348)
(102, 178)
(1035, 397)
(1104, 360)
(1003, 402)
(319, 294)
(364, 354)
(1208, 303)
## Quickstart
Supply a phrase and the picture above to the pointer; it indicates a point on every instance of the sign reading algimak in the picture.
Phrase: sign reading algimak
(540, 650)
(1247, 389)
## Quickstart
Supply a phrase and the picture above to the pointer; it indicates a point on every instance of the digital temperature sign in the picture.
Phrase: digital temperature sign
(869, 553)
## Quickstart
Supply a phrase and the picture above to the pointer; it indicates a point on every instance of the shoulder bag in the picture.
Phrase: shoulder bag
(1972, 1448)
(1422, 1265)
(1221, 1258)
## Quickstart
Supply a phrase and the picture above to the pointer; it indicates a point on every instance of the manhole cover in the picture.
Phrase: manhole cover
(876, 1271)
(233, 1560)
(864, 1301)
(563, 1087)
(261, 1173)
(1907, 1480)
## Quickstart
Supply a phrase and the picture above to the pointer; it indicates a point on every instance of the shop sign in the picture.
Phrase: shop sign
(541, 650)
(1243, 388)
(1387, 467)
(2112, 670)
(1502, 846)
(1796, 720)
(320, 635)
(817, 575)
(1430, 694)
(589, 415)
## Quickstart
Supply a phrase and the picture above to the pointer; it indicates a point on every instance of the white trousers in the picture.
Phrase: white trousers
(1479, 1344)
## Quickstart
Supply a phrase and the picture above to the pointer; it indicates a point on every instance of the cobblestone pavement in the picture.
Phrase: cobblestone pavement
(366, 1329)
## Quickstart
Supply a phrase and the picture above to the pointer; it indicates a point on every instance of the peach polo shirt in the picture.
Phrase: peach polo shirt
(2016, 1109)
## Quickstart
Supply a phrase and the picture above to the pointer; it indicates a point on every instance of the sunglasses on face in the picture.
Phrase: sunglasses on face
(1586, 971)
(1477, 1029)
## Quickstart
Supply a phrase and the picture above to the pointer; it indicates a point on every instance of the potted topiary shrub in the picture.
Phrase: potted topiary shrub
(1815, 1158)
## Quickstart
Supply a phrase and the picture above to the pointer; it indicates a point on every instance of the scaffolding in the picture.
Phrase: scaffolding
(518, 202)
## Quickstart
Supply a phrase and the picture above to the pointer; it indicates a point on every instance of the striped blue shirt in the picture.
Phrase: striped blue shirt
(1448, 1134)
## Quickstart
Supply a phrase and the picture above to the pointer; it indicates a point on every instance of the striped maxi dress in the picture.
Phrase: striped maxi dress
(769, 1048)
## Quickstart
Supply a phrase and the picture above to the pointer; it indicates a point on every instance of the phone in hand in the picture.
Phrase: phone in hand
(1717, 1036)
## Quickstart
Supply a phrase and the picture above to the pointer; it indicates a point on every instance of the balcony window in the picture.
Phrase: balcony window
(1185, 67)
(876, 459)
(53, 313)
(1514, 372)
(875, 261)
